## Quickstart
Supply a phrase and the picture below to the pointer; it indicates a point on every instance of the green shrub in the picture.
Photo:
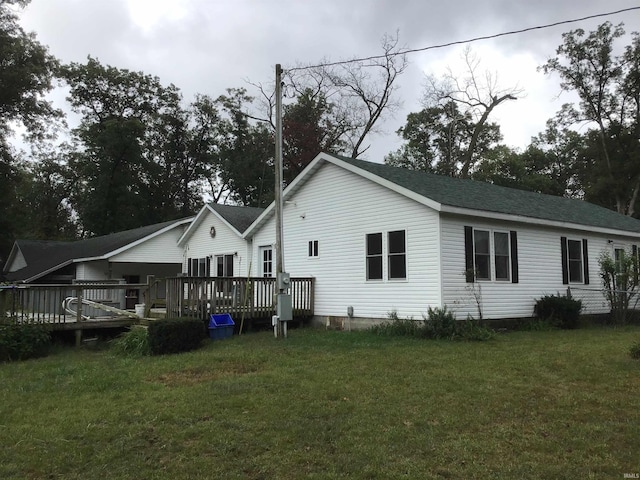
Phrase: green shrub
(634, 351)
(175, 335)
(399, 327)
(440, 323)
(473, 330)
(22, 341)
(559, 310)
(134, 343)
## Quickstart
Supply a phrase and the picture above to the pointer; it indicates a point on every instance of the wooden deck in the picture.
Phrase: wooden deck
(241, 297)
(197, 297)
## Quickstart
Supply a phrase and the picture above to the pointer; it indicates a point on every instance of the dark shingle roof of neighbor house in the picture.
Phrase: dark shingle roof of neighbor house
(474, 195)
(238, 217)
(44, 255)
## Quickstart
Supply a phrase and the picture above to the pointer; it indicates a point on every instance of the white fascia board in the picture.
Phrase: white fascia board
(12, 254)
(286, 194)
(197, 220)
(536, 221)
(138, 242)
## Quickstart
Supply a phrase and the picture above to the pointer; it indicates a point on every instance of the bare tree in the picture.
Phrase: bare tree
(475, 94)
(360, 92)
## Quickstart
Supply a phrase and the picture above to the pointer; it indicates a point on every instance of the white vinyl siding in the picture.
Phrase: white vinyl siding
(539, 270)
(339, 208)
(162, 248)
(200, 244)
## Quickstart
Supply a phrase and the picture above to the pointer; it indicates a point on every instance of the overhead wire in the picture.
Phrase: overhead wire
(461, 42)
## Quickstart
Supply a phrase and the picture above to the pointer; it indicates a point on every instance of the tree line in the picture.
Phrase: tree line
(142, 154)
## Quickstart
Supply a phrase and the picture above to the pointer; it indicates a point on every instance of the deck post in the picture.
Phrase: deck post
(79, 317)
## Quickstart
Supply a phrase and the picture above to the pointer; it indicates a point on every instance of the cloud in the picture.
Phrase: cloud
(206, 46)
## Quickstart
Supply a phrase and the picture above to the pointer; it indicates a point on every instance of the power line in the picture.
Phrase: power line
(460, 42)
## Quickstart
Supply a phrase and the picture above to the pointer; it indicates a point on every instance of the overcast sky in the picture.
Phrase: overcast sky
(207, 46)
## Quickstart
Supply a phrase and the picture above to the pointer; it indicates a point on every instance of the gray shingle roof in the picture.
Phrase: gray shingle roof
(474, 195)
(238, 217)
(43, 255)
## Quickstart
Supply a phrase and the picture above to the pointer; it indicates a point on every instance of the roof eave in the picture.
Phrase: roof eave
(141, 240)
(535, 221)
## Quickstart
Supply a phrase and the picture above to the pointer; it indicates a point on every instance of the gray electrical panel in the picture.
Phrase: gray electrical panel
(285, 308)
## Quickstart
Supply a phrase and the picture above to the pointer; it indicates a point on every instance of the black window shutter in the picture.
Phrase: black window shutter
(565, 266)
(208, 267)
(513, 237)
(468, 254)
(585, 261)
(634, 256)
(188, 267)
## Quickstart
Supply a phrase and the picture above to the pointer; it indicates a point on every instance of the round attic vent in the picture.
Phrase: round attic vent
(212, 232)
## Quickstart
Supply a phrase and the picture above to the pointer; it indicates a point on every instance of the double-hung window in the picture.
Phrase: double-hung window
(575, 260)
(397, 255)
(501, 256)
(393, 246)
(491, 255)
(374, 256)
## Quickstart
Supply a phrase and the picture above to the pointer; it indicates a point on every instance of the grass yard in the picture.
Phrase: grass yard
(563, 404)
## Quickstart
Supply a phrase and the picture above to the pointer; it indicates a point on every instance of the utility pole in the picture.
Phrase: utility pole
(284, 311)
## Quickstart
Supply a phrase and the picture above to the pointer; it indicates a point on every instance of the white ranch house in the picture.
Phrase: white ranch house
(379, 239)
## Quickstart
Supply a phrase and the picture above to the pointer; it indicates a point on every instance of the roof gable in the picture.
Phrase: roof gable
(237, 218)
(43, 256)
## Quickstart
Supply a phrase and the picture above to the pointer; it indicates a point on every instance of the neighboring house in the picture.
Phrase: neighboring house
(381, 239)
(213, 245)
(129, 256)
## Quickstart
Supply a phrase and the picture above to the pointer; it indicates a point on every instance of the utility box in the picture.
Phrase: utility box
(284, 281)
(285, 307)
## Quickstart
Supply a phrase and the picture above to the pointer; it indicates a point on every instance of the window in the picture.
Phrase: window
(501, 255)
(374, 256)
(619, 255)
(575, 261)
(313, 248)
(574, 249)
(397, 255)
(224, 265)
(266, 257)
(491, 255)
(482, 254)
(199, 267)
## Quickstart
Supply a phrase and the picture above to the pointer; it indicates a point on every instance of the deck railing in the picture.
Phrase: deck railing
(31, 303)
(252, 297)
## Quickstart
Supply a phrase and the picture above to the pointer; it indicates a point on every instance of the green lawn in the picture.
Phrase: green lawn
(562, 404)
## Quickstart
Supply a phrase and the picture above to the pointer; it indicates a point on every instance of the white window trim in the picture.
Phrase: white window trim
(492, 255)
(385, 256)
(581, 243)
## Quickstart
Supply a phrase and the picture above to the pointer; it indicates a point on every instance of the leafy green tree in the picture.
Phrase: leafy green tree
(26, 76)
(438, 139)
(608, 87)
(44, 193)
(245, 152)
(620, 280)
(133, 159)
(307, 130)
